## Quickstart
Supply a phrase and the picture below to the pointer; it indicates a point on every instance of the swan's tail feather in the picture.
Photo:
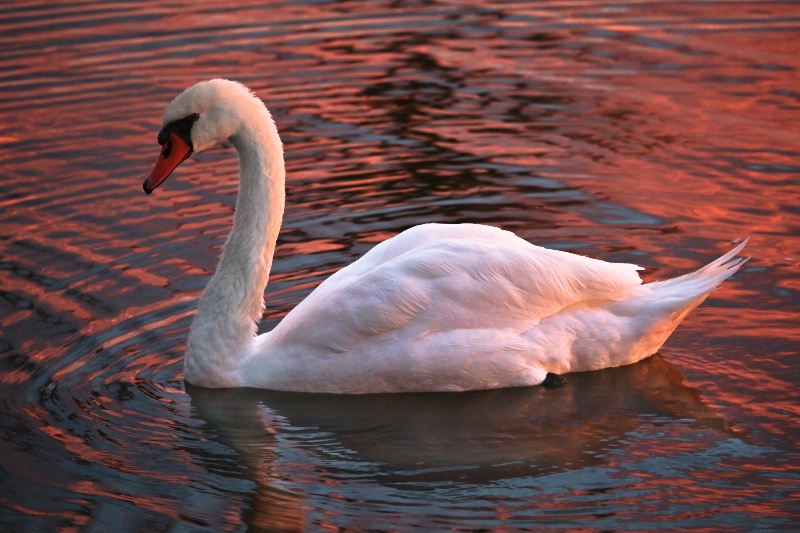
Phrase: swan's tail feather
(668, 302)
(705, 279)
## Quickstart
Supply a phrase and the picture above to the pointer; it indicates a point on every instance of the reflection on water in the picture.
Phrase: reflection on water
(649, 132)
(461, 436)
(303, 452)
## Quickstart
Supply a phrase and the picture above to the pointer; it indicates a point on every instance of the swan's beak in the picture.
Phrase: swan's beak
(173, 152)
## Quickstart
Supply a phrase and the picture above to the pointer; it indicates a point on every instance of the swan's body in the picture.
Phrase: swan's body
(437, 308)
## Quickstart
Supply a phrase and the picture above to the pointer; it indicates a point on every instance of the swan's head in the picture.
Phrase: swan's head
(198, 118)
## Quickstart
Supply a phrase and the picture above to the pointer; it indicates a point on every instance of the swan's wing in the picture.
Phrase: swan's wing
(424, 234)
(425, 284)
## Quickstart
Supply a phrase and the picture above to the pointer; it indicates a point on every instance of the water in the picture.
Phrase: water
(651, 132)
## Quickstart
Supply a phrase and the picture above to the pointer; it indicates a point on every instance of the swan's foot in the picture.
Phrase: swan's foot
(553, 381)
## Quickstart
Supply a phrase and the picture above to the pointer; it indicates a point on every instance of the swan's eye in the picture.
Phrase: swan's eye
(167, 149)
(181, 127)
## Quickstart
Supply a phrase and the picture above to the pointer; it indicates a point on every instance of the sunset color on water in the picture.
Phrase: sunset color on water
(656, 133)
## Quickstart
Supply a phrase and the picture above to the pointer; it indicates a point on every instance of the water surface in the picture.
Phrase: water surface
(658, 133)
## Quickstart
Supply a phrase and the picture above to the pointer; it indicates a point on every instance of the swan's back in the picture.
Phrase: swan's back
(454, 302)
(452, 277)
(493, 253)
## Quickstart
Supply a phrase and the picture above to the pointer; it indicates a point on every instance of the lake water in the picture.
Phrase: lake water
(651, 132)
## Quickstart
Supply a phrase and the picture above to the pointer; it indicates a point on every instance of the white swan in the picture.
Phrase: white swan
(437, 308)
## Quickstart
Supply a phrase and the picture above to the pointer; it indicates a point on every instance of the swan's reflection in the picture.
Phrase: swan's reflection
(471, 437)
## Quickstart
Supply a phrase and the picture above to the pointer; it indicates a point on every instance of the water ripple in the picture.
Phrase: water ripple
(648, 132)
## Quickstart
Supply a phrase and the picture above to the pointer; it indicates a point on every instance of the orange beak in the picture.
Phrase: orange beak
(173, 152)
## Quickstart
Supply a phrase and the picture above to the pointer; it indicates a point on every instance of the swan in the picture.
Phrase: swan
(439, 307)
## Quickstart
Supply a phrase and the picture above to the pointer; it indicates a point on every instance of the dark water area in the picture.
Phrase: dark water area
(658, 133)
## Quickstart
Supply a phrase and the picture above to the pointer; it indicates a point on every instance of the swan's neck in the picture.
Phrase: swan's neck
(233, 301)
